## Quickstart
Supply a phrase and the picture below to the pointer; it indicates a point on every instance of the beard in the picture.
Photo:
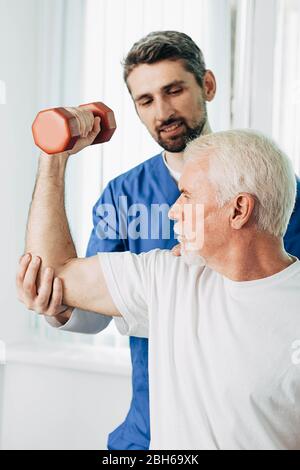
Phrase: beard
(192, 259)
(190, 256)
(189, 251)
(178, 143)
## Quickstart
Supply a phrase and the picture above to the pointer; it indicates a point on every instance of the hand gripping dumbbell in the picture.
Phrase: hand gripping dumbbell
(56, 130)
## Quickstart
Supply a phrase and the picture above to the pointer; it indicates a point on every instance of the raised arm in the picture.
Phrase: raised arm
(48, 235)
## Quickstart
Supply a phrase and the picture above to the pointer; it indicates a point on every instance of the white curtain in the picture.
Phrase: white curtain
(254, 40)
(266, 78)
(286, 117)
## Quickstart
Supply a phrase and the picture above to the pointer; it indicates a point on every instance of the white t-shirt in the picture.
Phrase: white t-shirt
(175, 174)
(82, 321)
(221, 369)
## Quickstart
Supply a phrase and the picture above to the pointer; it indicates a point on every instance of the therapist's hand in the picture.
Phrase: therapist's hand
(176, 250)
(43, 296)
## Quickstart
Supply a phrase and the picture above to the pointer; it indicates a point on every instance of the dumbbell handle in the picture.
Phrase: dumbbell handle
(57, 130)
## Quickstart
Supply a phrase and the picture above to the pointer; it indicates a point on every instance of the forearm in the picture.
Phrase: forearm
(48, 234)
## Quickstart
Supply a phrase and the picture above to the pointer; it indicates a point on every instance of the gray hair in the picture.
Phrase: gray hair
(248, 161)
(166, 45)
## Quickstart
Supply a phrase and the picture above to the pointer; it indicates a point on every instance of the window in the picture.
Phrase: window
(286, 115)
(266, 70)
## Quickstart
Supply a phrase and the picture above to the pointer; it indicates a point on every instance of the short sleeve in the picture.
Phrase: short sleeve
(81, 321)
(127, 277)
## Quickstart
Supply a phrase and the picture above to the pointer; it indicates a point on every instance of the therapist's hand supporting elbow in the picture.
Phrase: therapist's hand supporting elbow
(45, 299)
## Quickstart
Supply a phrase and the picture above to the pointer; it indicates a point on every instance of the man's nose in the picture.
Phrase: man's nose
(171, 214)
(164, 111)
(174, 212)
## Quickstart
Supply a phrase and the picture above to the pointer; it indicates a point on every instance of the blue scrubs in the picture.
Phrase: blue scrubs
(148, 183)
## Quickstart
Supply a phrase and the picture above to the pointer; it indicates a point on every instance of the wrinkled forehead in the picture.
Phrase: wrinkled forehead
(198, 152)
(196, 170)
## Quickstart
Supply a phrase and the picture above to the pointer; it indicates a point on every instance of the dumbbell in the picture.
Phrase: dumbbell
(56, 130)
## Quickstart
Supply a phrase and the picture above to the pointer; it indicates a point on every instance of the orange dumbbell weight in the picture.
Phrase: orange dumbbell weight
(56, 130)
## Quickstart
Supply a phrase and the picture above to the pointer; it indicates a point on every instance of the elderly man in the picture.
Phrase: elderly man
(222, 326)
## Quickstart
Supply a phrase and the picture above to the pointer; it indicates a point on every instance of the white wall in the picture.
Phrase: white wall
(54, 408)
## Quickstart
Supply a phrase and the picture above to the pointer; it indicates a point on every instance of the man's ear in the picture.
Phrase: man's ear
(209, 86)
(241, 210)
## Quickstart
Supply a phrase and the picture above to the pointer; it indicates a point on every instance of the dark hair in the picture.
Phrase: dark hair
(162, 45)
